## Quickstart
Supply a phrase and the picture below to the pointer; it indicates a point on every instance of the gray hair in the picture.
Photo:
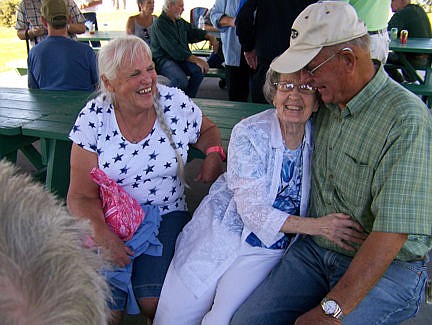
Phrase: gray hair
(167, 3)
(123, 51)
(269, 90)
(46, 275)
(362, 42)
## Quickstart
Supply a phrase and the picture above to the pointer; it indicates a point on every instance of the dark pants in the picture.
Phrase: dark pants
(417, 61)
(238, 79)
(91, 16)
(258, 80)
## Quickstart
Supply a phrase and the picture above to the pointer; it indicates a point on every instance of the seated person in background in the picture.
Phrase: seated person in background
(60, 63)
(141, 24)
(252, 213)
(29, 25)
(138, 132)
(170, 40)
(414, 19)
(46, 276)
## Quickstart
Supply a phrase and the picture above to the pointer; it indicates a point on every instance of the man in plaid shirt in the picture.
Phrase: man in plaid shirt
(29, 24)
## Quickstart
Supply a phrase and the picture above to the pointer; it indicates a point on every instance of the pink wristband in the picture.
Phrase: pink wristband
(217, 149)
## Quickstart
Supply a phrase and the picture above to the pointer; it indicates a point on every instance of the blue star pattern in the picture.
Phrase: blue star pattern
(146, 170)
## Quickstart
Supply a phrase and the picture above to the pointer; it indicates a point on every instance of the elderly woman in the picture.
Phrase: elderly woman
(252, 213)
(141, 24)
(138, 132)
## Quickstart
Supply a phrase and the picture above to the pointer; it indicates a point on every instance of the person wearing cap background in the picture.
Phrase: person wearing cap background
(372, 162)
(60, 63)
(29, 25)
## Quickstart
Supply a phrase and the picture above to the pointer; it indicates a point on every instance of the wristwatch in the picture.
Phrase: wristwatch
(331, 308)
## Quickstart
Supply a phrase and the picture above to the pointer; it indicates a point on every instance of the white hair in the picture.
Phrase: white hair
(167, 3)
(46, 276)
(123, 51)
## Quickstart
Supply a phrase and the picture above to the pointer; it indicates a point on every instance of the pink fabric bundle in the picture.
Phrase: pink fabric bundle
(122, 212)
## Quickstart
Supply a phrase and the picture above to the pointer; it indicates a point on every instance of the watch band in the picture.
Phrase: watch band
(218, 149)
(337, 310)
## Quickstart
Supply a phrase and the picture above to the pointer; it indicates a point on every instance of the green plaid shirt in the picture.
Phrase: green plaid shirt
(373, 162)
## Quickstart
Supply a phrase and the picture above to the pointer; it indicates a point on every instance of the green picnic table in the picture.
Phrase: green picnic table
(28, 115)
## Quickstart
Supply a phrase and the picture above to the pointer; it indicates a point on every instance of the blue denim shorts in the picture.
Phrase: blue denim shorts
(149, 271)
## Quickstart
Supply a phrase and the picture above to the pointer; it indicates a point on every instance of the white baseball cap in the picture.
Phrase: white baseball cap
(321, 24)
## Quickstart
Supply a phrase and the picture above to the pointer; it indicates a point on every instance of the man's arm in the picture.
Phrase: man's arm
(76, 25)
(365, 270)
(31, 33)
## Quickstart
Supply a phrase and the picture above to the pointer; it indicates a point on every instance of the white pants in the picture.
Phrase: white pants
(379, 46)
(177, 304)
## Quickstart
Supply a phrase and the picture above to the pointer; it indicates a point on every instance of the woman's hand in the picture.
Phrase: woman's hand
(118, 252)
(338, 228)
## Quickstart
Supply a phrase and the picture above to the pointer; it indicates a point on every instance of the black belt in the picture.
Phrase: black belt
(380, 31)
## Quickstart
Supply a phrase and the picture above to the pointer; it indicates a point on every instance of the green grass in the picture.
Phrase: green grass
(13, 52)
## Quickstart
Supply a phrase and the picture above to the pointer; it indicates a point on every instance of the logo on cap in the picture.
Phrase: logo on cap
(294, 33)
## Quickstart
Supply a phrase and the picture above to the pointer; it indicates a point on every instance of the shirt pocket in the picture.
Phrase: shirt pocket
(354, 179)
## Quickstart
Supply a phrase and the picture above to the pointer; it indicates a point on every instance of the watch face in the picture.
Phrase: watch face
(330, 307)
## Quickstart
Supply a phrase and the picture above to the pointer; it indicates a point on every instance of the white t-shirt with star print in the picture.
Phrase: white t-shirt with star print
(146, 170)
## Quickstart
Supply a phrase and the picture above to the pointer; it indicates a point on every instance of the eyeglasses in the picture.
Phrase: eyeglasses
(288, 87)
(311, 71)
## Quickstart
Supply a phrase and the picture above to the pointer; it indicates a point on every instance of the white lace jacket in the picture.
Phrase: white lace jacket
(239, 202)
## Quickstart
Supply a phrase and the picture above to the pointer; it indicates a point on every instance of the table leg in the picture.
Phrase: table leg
(58, 166)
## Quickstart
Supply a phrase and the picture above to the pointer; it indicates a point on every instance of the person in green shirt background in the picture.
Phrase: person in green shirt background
(170, 38)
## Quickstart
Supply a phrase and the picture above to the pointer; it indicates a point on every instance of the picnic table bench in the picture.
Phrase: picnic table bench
(29, 115)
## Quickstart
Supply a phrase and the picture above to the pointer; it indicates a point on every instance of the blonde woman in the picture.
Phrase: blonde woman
(138, 132)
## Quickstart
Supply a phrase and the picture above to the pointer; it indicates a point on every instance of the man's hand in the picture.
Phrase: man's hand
(215, 46)
(316, 316)
(251, 59)
(37, 31)
(199, 62)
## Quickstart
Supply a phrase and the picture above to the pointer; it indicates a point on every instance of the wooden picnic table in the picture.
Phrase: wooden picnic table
(30, 115)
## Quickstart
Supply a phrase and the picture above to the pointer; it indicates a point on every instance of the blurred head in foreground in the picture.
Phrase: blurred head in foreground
(46, 276)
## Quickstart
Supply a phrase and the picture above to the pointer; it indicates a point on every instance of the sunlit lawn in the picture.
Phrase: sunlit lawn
(13, 51)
